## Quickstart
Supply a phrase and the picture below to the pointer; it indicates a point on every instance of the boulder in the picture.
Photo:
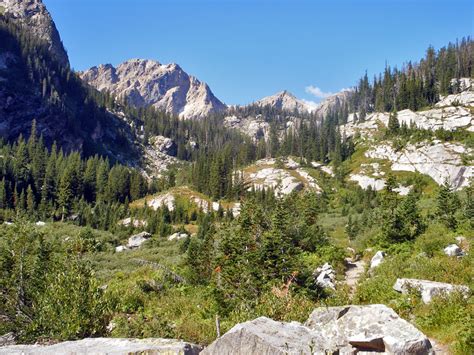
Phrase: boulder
(7, 339)
(325, 276)
(377, 259)
(367, 328)
(177, 236)
(266, 336)
(108, 346)
(329, 330)
(428, 289)
(120, 248)
(453, 250)
(40, 224)
(135, 241)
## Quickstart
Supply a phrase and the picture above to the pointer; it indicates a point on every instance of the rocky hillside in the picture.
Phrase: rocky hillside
(34, 15)
(284, 111)
(37, 84)
(438, 142)
(167, 87)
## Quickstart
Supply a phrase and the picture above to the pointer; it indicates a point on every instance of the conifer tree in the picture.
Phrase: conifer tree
(447, 205)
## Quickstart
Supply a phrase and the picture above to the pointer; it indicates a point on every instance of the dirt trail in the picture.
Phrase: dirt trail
(354, 271)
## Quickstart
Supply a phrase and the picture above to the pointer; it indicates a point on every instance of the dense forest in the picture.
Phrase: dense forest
(416, 85)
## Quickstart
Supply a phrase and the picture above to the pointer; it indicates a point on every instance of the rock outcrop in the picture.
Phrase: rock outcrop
(345, 330)
(282, 177)
(104, 346)
(254, 127)
(34, 15)
(159, 156)
(440, 161)
(428, 289)
(167, 87)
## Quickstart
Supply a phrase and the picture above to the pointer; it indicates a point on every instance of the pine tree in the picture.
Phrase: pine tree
(447, 205)
(30, 201)
(3, 194)
(65, 192)
(393, 123)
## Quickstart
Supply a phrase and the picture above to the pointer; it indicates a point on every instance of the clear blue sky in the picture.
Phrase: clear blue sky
(247, 49)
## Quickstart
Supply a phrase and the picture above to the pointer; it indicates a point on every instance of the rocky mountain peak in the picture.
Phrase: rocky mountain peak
(34, 15)
(166, 87)
(284, 100)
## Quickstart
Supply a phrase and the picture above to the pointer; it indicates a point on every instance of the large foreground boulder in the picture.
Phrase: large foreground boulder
(368, 328)
(96, 346)
(428, 289)
(332, 330)
(266, 336)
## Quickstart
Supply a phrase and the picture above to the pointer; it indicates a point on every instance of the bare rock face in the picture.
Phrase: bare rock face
(439, 160)
(159, 155)
(332, 102)
(166, 87)
(428, 289)
(104, 346)
(283, 180)
(34, 15)
(286, 101)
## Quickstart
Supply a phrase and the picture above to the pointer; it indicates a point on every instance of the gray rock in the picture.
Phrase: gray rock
(7, 339)
(377, 259)
(333, 330)
(135, 241)
(373, 327)
(96, 346)
(453, 250)
(34, 15)
(266, 336)
(166, 87)
(120, 248)
(177, 236)
(428, 289)
(325, 276)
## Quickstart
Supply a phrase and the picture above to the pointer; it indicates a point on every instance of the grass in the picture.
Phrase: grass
(447, 319)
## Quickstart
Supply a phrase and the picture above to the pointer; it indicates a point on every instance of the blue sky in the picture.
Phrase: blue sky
(247, 49)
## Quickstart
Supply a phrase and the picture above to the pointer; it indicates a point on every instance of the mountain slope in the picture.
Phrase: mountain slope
(34, 15)
(167, 87)
(37, 84)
